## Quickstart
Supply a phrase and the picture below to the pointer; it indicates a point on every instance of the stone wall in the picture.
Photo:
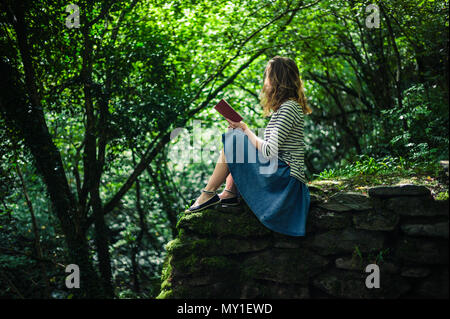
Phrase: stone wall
(227, 253)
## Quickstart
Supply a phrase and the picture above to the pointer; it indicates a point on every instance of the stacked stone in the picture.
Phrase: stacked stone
(227, 253)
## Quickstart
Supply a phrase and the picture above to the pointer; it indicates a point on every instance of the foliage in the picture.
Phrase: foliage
(109, 94)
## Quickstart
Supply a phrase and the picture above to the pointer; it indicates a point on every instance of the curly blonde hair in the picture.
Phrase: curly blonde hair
(286, 84)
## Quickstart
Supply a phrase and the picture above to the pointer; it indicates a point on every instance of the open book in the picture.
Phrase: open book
(227, 111)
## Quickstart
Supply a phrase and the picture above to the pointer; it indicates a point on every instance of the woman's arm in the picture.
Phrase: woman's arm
(287, 117)
(255, 140)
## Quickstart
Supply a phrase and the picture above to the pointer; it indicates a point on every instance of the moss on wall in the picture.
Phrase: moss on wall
(227, 253)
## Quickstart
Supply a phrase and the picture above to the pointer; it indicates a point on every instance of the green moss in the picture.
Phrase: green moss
(189, 216)
(166, 285)
(214, 223)
(165, 294)
(218, 263)
(166, 276)
(167, 269)
(182, 234)
(442, 196)
(193, 264)
(187, 265)
(214, 246)
(176, 292)
(197, 222)
(181, 248)
(173, 244)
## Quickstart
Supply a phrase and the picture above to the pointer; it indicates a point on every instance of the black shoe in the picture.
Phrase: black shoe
(233, 201)
(210, 202)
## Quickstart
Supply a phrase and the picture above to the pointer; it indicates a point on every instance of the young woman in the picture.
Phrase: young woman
(280, 198)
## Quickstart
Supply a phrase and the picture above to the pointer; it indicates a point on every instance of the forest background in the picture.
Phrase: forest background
(87, 108)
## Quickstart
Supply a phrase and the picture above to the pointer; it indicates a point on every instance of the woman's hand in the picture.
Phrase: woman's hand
(240, 124)
(256, 141)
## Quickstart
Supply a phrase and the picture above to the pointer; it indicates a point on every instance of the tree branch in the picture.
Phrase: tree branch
(164, 137)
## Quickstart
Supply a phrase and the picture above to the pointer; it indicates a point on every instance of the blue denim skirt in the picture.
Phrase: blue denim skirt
(279, 201)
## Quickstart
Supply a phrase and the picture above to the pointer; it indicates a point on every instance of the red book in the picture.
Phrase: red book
(227, 111)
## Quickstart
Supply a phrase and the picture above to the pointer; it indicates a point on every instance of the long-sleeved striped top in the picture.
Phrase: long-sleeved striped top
(283, 137)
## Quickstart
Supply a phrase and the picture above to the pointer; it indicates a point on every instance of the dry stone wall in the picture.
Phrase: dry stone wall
(226, 252)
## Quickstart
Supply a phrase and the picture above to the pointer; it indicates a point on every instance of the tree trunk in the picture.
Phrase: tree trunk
(37, 239)
(28, 119)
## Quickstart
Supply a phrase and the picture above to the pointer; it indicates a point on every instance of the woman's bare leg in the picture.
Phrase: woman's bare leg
(230, 185)
(217, 178)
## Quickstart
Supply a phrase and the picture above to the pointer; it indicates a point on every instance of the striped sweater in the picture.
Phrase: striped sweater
(284, 136)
